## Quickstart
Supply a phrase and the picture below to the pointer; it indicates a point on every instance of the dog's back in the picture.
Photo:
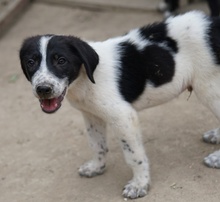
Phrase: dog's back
(156, 63)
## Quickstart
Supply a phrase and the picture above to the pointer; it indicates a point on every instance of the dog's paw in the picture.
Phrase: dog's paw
(212, 136)
(134, 190)
(213, 160)
(91, 169)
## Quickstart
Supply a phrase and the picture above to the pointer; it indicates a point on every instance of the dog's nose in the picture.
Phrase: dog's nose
(44, 90)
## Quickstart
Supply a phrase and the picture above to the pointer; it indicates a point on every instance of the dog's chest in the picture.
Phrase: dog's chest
(76, 99)
(81, 97)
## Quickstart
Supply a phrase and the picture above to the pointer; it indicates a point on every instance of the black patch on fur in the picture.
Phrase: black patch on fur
(140, 162)
(126, 146)
(153, 64)
(157, 33)
(76, 52)
(214, 42)
(30, 50)
(58, 47)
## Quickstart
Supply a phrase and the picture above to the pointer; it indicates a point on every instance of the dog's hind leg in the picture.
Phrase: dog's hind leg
(96, 129)
(213, 136)
(213, 160)
(209, 94)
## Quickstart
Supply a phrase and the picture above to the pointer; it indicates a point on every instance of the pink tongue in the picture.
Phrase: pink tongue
(50, 105)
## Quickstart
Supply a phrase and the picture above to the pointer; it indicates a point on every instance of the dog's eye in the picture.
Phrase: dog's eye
(61, 61)
(30, 63)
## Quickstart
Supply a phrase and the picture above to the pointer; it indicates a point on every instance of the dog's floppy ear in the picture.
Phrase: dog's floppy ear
(87, 54)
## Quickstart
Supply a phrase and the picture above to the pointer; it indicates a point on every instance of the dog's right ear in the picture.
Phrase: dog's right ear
(28, 46)
(87, 54)
(23, 67)
(22, 57)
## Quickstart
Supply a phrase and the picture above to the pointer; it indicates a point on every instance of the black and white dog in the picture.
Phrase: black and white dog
(110, 81)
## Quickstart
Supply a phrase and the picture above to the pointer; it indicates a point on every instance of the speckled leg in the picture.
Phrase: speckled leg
(129, 134)
(96, 129)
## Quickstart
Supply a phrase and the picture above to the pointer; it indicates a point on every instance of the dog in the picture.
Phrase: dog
(110, 81)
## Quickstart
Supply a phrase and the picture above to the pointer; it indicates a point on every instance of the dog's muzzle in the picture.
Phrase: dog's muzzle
(48, 102)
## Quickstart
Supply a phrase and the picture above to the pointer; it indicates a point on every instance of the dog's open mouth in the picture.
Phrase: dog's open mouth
(53, 104)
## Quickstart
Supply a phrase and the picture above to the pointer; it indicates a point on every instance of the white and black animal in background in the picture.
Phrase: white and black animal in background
(170, 7)
(109, 81)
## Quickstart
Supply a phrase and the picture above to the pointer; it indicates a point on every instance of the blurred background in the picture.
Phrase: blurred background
(10, 10)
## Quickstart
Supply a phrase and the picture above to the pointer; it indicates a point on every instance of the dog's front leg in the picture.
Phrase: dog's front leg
(127, 127)
(96, 130)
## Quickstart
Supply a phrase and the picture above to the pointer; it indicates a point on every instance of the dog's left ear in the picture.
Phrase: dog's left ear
(87, 54)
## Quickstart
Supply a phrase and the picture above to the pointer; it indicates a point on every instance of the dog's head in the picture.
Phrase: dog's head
(51, 63)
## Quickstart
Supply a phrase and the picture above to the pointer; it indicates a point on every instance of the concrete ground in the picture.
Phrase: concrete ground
(40, 153)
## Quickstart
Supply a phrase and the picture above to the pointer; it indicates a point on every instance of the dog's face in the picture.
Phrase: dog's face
(51, 63)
